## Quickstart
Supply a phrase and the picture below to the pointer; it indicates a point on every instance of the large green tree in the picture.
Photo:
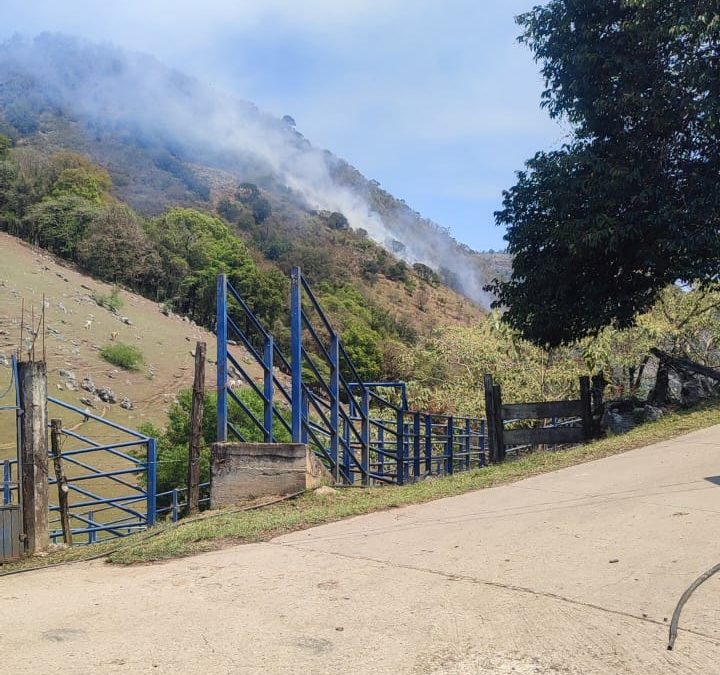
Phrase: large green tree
(632, 203)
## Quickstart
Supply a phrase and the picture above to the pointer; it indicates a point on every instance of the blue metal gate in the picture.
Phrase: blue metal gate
(111, 473)
(360, 434)
(10, 514)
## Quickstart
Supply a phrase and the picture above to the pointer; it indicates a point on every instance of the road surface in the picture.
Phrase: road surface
(570, 573)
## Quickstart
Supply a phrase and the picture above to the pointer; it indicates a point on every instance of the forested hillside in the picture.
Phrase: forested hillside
(65, 204)
(166, 138)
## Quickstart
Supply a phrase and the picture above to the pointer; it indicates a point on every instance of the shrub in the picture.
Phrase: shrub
(337, 221)
(229, 210)
(124, 356)
(112, 302)
(397, 271)
(426, 273)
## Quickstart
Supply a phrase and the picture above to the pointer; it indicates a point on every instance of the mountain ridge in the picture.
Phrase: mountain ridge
(168, 138)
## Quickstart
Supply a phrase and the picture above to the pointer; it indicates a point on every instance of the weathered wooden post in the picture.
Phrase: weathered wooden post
(499, 427)
(597, 397)
(34, 455)
(61, 480)
(196, 429)
(586, 405)
(490, 416)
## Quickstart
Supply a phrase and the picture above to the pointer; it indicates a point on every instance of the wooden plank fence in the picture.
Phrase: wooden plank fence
(499, 413)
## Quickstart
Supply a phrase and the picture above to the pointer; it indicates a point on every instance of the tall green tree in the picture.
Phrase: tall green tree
(599, 227)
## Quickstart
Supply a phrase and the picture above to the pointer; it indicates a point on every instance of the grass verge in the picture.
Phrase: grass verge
(218, 529)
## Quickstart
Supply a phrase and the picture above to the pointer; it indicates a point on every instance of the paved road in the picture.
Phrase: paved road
(571, 573)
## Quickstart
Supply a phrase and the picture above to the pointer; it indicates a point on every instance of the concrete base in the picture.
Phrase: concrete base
(242, 471)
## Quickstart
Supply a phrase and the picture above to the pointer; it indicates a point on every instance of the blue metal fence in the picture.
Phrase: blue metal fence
(236, 321)
(359, 433)
(178, 502)
(10, 480)
(111, 474)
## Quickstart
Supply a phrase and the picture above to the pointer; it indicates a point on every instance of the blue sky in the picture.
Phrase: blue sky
(434, 99)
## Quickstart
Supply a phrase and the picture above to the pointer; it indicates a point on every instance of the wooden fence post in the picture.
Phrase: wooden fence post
(597, 397)
(586, 404)
(196, 429)
(62, 486)
(490, 416)
(499, 427)
(34, 455)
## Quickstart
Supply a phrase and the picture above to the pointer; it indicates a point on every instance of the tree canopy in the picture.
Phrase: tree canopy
(631, 204)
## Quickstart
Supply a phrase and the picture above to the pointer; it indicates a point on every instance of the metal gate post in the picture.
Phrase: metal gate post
(428, 443)
(450, 447)
(346, 452)
(335, 405)
(365, 433)
(400, 447)
(296, 352)
(268, 390)
(222, 360)
(483, 435)
(416, 445)
(468, 443)
(151, 481)
(19, 430)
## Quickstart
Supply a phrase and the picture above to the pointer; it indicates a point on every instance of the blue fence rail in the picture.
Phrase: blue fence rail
(112, 483)
(361, 432)
(178, 502)
(10, 480)
(111, 474)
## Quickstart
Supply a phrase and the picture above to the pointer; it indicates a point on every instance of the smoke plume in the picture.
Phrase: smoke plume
(109, 87)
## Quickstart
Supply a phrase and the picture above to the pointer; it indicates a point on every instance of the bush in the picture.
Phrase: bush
(426, 273)
(112, 302)
(337, 221)
(229, 210)
(397, 271)
(249, 194)
(124, 356)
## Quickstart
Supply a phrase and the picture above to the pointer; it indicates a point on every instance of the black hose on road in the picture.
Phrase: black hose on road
(684, 598)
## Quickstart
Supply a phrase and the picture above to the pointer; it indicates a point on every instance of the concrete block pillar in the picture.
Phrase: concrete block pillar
(242, 471)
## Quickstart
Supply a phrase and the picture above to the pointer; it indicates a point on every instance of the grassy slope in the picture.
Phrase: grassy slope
(215, 530)
(166, 342)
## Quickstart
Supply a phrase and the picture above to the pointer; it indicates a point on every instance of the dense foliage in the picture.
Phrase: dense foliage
(632, 203)
(65, 203)
(446, 369)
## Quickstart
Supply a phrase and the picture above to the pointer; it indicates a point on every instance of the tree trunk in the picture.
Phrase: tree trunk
(659, 394)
